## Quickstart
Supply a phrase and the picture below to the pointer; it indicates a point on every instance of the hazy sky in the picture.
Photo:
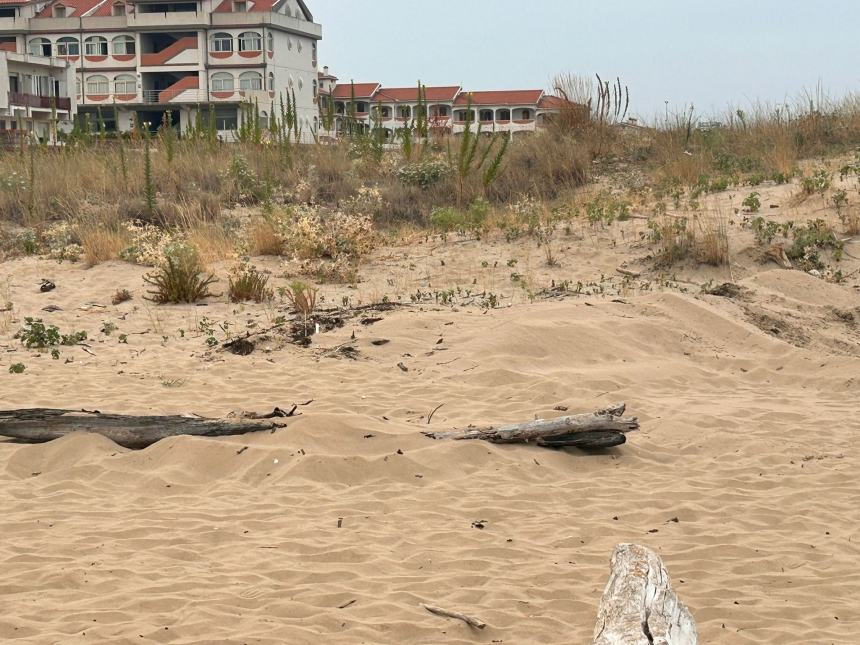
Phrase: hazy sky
(712, 53)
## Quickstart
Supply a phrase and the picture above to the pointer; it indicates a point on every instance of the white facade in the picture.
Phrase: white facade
(36, 96)
(143, 58)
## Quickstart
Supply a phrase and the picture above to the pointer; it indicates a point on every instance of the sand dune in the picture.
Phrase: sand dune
(335, 529)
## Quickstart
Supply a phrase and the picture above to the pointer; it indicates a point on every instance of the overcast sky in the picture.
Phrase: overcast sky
(709, 53)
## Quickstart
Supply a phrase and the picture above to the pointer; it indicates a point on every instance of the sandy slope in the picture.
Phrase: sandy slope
(744, 476)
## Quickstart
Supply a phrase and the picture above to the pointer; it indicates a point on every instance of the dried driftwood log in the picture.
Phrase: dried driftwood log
(639, 606)
(43, 424)
(601, 429)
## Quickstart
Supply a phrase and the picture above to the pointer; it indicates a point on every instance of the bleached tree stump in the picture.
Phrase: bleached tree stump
(639, 606)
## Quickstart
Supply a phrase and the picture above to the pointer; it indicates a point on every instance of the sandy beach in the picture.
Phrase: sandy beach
(336, 528)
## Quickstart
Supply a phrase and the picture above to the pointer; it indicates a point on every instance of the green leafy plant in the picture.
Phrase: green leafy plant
(811, 238)
(752, 203)
(818, 182)
(17, 368)
(35, 334)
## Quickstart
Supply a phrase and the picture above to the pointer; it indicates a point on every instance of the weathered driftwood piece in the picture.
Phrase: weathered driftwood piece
(469, 620)
(639, 606)
(41, 425)
(601, 429)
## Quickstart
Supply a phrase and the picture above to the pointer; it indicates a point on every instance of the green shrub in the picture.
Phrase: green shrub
(248, 284)
(605, 209)
(17, 368)
(815, 236)
(180, 278)
(424, 173)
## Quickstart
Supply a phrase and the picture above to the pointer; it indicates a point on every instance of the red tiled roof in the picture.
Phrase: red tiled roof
(74, 8)
(504, 97)
(253, 6)
(446, 93)
(362, 90)
(14, 1)
(551, 102)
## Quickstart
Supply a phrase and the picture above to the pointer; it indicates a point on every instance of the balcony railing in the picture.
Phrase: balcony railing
(22, 99)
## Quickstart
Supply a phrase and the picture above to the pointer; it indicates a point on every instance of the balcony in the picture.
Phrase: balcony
(168, 19)
(302, 27)
(21, 99)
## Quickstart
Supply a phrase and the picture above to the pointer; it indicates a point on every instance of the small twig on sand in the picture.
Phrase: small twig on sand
(430, 418)
(469, 620)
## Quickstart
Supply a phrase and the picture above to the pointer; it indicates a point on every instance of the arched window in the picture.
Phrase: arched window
(527, 115)
(270, 42)
(300, 45)
(68, 46)
(264, 120)
(77, 87)
(290, 43)
(222, 42)
(314, 53)
(222, 82)
(301, 83)
(251, 81)
(125, 84)
(98, 85)
(250, 41)
(316, 88)
(504, 115)
(40, 47)
(271, 83)
(96, 46)
(486, 115)
(123, 45)
(404, 112)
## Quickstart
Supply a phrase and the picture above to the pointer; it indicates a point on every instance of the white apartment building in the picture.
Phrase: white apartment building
(449, 107)
(140, 59)
(36, 96)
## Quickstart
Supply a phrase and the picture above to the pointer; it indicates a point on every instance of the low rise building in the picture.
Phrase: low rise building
(449, 108)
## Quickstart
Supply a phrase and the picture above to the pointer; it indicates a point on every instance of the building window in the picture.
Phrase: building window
(264, 120)
(301, 83)
(77, 87)
(486, 115)
(68, 46)
(98, 85)
(290, 43)
(314, 53)
(527, 115)
(96, 46)
(403, 112)
(240, 6)
(40, 47)
(271, 84)
(222, 82)
(504, 115)
(225, 118)
(119, 9)
(125, 84)
(316, 88)
(300, 45)
(270, 42)
(443, 110)
(123, 45)
(222, 42)
(250, 41)
(59, 11)
(251, 81)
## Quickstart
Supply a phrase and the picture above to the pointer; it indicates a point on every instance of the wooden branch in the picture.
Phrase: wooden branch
(469, 620)
(601, 429)
(41, 425)
(639, 606)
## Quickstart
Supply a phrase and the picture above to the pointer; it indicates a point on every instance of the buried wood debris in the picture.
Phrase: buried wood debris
(602, 429)
(41, 425)
(639, 606)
